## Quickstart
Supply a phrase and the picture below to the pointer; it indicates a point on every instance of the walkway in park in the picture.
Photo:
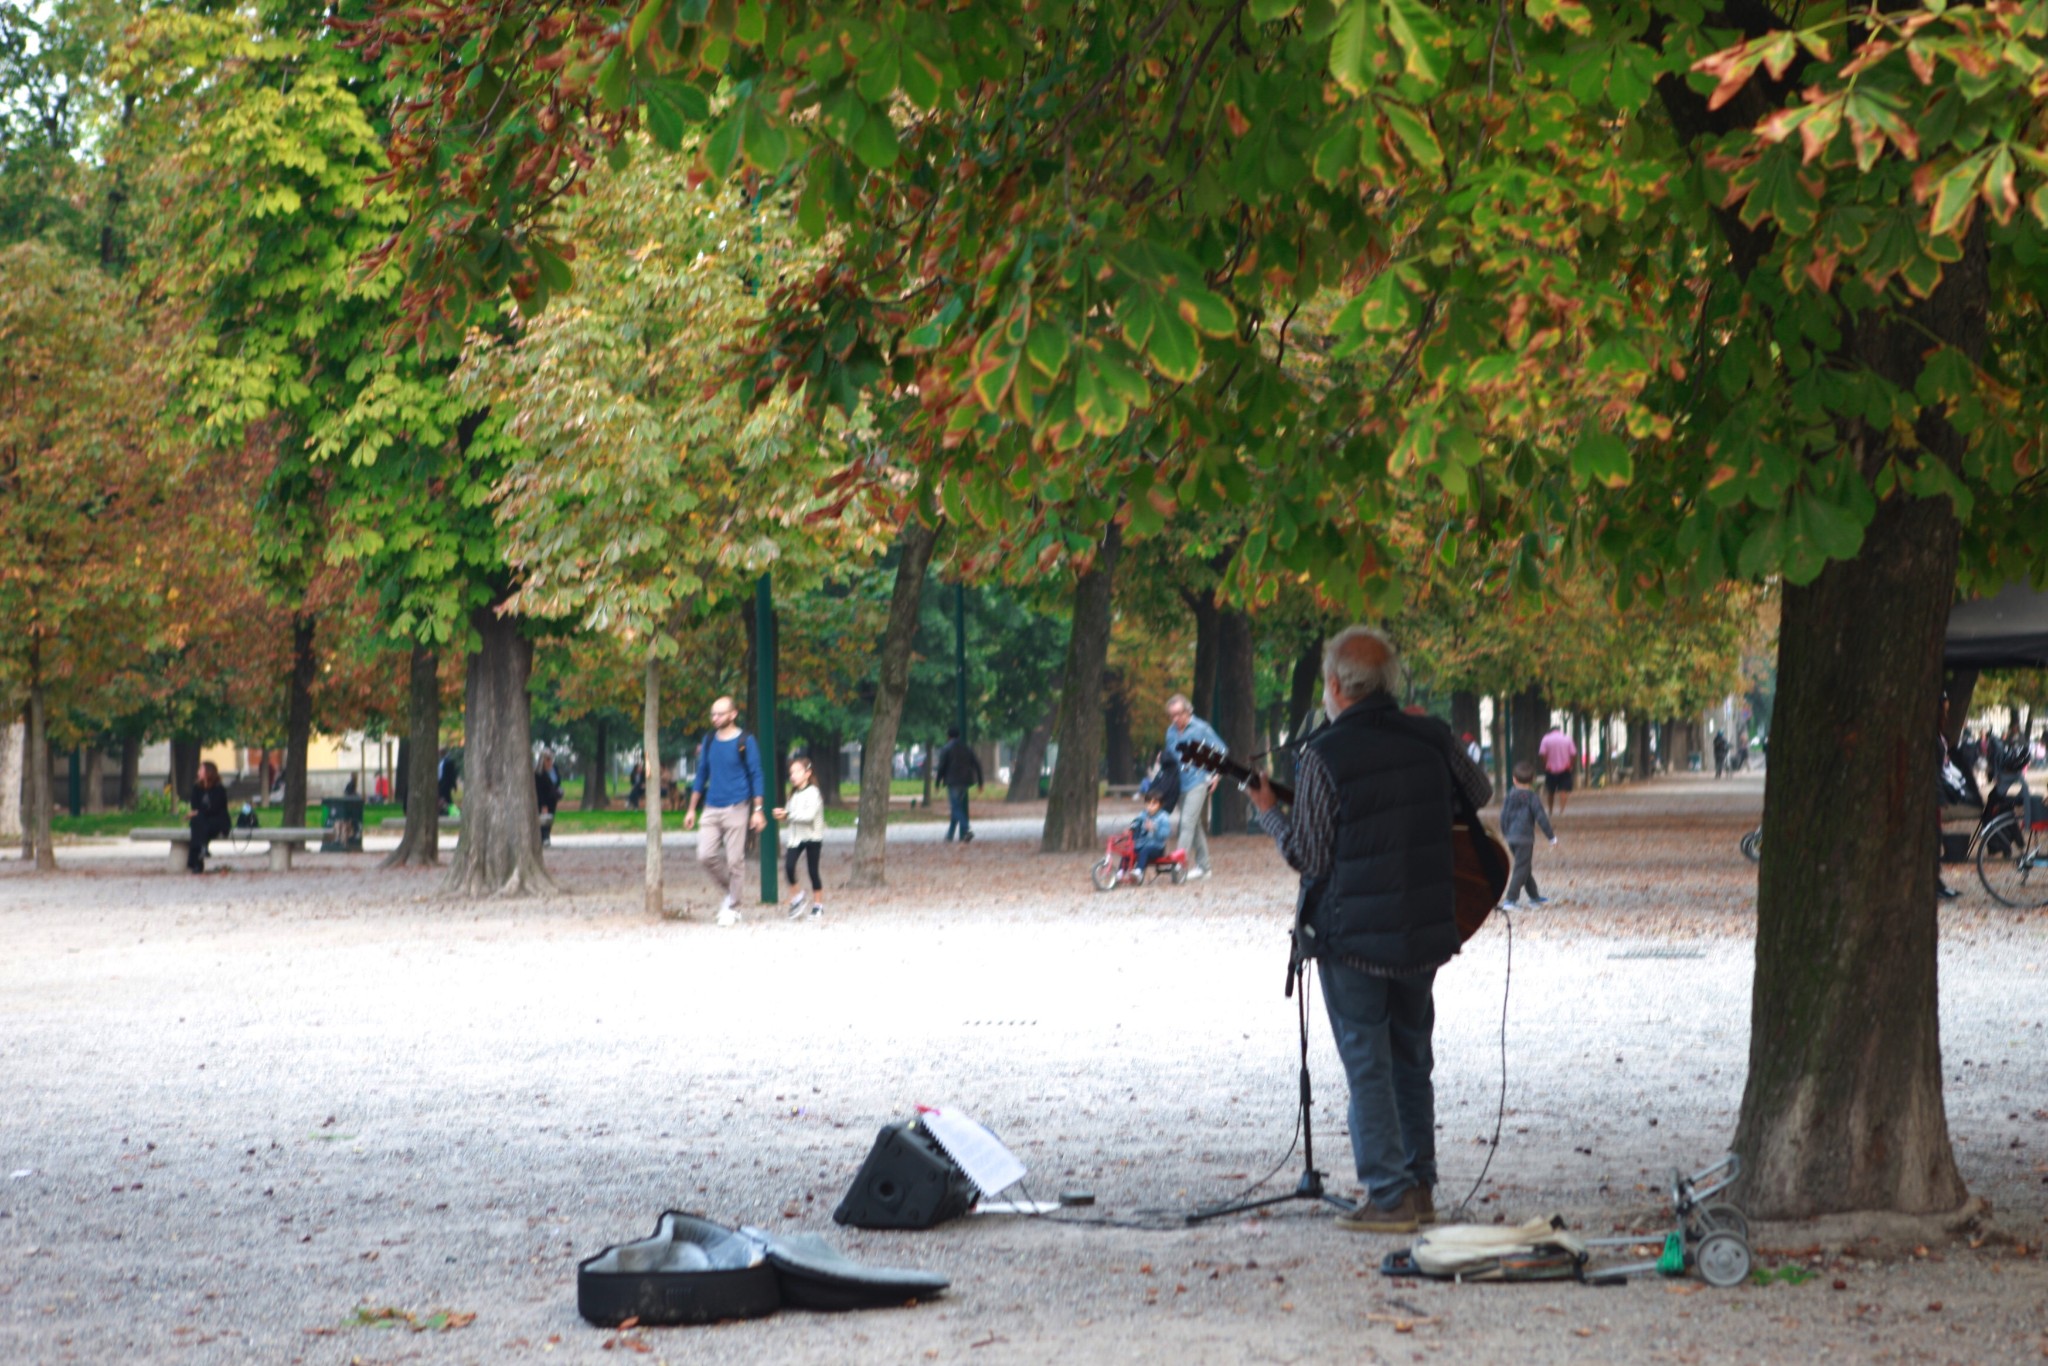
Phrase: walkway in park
(241, 1112)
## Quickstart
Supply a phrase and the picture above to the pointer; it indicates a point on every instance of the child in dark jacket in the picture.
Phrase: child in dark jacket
(1520, 814)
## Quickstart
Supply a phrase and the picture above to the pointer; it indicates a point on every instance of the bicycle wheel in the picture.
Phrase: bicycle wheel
(2012, 867)
(1753, 845)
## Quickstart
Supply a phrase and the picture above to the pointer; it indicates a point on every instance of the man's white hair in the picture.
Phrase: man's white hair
(1363, 661)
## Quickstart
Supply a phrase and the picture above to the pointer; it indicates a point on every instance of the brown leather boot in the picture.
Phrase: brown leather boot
(1403, 1216)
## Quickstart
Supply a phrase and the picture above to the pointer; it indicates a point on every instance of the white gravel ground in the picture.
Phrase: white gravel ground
(234, 1111)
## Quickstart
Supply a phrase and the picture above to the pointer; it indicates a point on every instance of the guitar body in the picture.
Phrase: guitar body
(1479, 861)
(1479, 887)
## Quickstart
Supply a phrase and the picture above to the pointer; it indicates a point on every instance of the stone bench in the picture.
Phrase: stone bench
(282, 841)
(398, 823)
(1121, 789)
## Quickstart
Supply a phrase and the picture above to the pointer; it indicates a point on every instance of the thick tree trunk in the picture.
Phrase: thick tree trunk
(1070, 810)
(1465, 714)
(498, 853)
(131, 771)
(298, 720)
(596, 767)
(892, 682)
(1236, 718)
(1639, 746)
(35, 821)
(1843, 1107)
(94, 779)
(1119, 756)
(401, 778)
(184, 767)
(13, 742)
(1528, 724)
(1203, 694)
(417, 759)
(654, 897)
(1029, 764)
(828, 768)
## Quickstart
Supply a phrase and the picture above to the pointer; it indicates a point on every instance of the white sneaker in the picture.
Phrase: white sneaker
(796, 904)
(728, 915)
(1511, 905)
(1194, 873)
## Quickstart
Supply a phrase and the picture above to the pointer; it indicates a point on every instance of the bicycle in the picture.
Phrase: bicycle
(2010, 843)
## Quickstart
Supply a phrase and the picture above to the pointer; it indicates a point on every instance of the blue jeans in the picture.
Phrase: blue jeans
(1382, 1027)
(1148, 854)
(956, 800)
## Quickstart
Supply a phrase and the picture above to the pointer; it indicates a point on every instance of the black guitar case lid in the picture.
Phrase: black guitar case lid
(693, 1270)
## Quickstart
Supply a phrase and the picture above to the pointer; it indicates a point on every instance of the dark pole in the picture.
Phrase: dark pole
(960, 659)
(764, 727)
(77, 786)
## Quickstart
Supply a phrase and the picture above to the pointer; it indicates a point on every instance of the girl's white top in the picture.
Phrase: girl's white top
(806, 815)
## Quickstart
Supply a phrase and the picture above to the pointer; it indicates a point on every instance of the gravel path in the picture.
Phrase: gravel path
(238, 1110)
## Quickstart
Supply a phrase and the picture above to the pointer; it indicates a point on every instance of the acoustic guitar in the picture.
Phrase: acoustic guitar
(1479, 861)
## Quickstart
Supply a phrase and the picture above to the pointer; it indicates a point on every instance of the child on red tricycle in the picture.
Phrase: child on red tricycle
(1142, 846)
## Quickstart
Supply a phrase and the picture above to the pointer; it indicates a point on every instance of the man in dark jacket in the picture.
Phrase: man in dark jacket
(209, 815)
(547, 794)
(958, 769)
(1376, 793)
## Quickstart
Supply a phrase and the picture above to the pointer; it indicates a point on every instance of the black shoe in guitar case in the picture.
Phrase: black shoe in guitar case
(908, 1181)
(695, 1271)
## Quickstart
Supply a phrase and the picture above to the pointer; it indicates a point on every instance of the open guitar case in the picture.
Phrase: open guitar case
(693, 1270)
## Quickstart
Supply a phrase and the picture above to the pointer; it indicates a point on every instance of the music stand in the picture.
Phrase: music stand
(1310, 1187)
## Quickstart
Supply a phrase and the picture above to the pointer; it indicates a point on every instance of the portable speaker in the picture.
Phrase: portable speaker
(906, 1182)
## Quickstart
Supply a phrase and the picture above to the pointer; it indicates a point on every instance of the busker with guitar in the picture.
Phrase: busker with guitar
(1371, 833)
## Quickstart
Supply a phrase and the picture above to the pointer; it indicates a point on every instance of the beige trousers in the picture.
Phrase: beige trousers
(1191, 823)
(722, 847)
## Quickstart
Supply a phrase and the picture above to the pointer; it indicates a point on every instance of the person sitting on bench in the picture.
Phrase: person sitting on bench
(209, 815)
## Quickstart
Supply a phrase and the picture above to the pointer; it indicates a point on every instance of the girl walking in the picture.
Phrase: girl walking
(805, 819)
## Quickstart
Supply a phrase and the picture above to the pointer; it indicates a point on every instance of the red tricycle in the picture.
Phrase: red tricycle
(1120, 864)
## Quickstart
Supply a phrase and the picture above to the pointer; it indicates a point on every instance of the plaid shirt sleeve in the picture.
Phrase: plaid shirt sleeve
(1307, 836)
(1470, 777)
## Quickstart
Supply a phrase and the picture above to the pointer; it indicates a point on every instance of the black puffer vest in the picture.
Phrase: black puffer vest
(1389, 899)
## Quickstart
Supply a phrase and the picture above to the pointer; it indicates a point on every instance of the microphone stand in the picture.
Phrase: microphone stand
(1310, 1186)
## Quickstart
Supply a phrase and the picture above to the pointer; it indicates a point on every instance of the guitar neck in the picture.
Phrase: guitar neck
(1238, 773)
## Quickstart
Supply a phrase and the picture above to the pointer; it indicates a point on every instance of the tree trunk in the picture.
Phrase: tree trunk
(1962, 686)
(1070, 810)
(35, 821)
(1029, 763)
(1503, 763)
(828, 768)
(131, 772)
(1465, 713)
(498, 851)
(1119, 755)
(95, 779)
(184, 767)
(596, 768)
(1203, 694)
(1530, 721)
(1236, 718)
(401, 779)
(1843, 1107)
(655, 902)
(418, 756)
(13, 742)
(892, 682)
(1639, 746)
(298, 720)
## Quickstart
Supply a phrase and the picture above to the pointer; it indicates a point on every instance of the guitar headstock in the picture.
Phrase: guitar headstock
(1205, 757)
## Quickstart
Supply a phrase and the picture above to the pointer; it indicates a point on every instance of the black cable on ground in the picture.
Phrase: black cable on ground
(1500, 1116)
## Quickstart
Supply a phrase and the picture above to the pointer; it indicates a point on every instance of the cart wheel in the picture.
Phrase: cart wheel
(1753, 845)
(1723, 1218)
(1104, 875)
(1180, 873)
(1723, 1259)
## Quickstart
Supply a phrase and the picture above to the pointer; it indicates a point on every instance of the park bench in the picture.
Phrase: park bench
(1122, 789)
(398, 823)
(282, 841)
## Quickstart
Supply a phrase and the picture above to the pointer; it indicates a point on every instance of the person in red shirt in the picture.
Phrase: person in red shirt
(1560, 756)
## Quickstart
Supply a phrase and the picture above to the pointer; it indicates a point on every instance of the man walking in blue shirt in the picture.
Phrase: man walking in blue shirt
(1191, 828)
(728, 786)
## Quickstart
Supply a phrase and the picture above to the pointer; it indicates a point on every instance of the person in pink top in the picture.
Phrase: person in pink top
(1560, 757)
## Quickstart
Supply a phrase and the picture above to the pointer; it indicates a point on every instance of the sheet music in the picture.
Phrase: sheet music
(988, 1164)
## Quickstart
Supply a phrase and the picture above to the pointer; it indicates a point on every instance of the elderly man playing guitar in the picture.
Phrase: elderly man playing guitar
(1378, 795)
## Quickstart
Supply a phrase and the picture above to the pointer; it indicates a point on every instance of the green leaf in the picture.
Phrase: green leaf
(1206, 311)
(1415, 133)
(1047, 349)
(614, 80)
(764, 142)
(1954, 193)
(842, 116)
(1174, 348)
(1267, 11)
(922, 80)
(1353, 46)
(750, 23)
(673, 106)
(1423, 38)
(1137, 316)
(874, 142)
(1603, 458)
(878, 68)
